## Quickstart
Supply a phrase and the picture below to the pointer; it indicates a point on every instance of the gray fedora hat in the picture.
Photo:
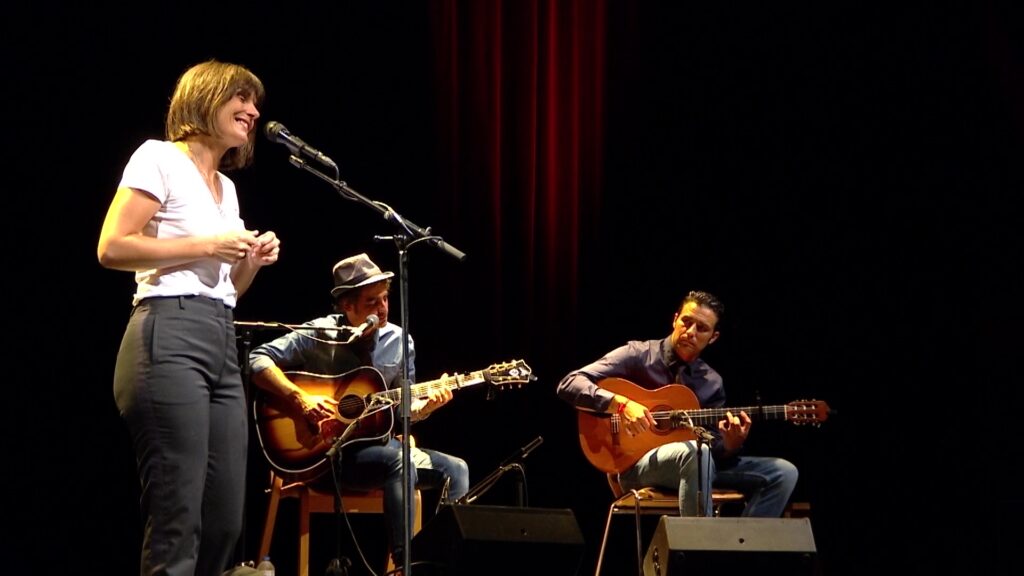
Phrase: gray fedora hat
(356, 271)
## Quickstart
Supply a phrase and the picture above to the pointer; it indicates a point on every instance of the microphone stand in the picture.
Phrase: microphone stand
(383, 209)
(407, 230)
(509, 463)
(702, 436)
(244, 335)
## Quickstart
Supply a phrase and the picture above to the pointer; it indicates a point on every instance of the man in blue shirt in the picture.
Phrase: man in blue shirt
(356, 336)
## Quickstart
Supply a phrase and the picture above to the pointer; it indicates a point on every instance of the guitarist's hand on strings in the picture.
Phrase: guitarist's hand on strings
(635, 416)
(734, 431)
(317, 409)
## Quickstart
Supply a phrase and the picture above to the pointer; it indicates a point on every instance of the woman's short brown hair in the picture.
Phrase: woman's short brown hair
(198, 96)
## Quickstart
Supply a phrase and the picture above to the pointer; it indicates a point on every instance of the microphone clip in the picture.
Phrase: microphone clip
(702, 434)
(382, 401)
(375, 405)
(369, 324)
(277, 133)
(680, 419)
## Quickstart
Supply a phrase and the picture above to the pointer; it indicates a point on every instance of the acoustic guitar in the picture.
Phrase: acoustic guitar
(298, 449)
(676, 411)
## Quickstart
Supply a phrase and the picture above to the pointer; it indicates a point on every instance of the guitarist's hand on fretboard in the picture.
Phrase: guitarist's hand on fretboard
(734, 430)
(437, 396)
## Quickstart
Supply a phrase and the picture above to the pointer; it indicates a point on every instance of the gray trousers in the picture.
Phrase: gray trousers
(178, 386)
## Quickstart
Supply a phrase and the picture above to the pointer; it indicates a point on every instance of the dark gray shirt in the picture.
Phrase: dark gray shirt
(649, 364)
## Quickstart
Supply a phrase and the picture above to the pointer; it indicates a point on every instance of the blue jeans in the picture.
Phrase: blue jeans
(674, 466)
(380, 466)
(766, 482)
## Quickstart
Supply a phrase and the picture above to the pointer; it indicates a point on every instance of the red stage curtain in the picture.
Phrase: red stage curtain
(520, 104)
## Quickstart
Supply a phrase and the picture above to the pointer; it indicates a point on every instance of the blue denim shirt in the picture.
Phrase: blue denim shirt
(310, 351)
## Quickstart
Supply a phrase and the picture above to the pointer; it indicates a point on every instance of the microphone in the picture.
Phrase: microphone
(368, 324)
(278, 134)
(525, 450)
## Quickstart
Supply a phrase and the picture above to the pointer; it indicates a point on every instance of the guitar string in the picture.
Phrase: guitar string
(459, 381)
(766, 412)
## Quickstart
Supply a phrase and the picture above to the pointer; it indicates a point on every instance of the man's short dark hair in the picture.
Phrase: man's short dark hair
(707, 300)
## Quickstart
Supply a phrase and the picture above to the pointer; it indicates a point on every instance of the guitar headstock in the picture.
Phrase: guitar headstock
(515, 372)
(807, 411)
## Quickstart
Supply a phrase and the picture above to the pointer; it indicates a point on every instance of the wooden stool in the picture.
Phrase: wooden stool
(314, 500)
(797, 510)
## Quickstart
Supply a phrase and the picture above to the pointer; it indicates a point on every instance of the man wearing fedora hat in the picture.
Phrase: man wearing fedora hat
(348, 339)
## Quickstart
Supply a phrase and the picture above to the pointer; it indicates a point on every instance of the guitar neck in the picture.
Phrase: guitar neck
(422, 389)
(710, 416)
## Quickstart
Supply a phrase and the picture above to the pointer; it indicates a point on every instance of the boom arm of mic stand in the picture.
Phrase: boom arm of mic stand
(387, 213)
(524, 451)
(508, 464)
(487, 483)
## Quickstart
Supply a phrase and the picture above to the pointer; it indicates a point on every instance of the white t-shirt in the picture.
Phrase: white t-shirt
(187, 208)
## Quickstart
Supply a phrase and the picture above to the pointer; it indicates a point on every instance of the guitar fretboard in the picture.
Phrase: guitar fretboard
(422, 390)
(710, 416)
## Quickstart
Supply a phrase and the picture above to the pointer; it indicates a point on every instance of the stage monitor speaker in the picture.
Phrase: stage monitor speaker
(714, 546)
(465, 539)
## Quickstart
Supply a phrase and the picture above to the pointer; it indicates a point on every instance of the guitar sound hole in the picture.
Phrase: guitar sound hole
(662, 425)
(351, 407)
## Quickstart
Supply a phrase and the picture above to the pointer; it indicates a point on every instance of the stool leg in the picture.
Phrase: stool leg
(608, 525)
(417, 520)
(639, 544)
(268, 525)
(604, 539)
(304, 533)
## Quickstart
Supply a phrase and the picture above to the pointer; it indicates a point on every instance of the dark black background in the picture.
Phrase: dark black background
(844, 175)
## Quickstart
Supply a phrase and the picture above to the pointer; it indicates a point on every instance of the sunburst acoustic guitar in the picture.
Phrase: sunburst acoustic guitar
(296, 448)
